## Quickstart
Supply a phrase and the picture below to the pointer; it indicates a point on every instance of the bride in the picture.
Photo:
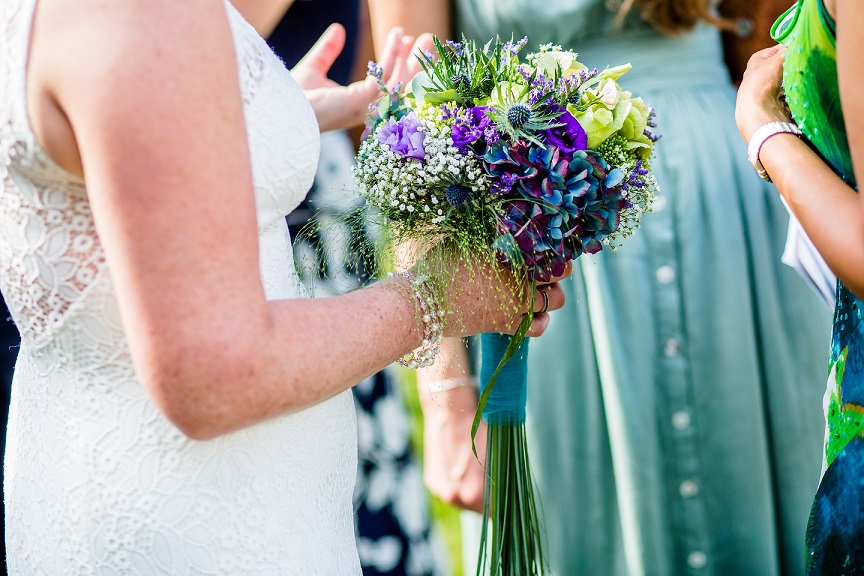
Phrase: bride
(178, 406)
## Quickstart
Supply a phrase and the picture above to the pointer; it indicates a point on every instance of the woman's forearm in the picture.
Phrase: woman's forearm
(450, 469)
(828, 209)
(416, 17)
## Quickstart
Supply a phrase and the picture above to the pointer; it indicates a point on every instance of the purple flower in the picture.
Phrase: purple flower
(513, 49)
(403, 136)
(569, 137)
(511, 166)
(374, 70)
(456, 47)
(470, 127)
(541, 246)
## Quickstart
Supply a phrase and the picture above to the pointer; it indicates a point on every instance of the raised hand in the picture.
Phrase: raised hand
(337, 106)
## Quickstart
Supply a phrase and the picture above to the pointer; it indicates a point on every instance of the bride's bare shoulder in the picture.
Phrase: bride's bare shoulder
(86, 55)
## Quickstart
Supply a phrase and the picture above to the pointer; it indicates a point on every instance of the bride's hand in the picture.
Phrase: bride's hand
(760, 97)
(337, 106)
(487, 298)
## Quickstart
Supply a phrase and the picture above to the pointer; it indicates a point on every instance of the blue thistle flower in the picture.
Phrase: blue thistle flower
(457, 195)
(461, 82)
(518, 115)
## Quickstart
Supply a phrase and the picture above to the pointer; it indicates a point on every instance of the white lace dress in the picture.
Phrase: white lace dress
(97, 480)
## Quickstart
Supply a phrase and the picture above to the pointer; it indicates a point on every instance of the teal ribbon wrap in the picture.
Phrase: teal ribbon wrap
(505, 404)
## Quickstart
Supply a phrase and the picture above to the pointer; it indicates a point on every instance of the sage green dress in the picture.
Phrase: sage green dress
(675, 404)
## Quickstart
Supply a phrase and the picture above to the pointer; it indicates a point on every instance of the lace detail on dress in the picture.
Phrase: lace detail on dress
(49, 255)
(250, 59)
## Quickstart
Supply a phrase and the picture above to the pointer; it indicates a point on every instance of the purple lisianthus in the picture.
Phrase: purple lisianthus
(470, 127)
(403, 136)
(569, 137)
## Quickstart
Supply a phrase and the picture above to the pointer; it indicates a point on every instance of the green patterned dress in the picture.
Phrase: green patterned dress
(674, 415)
(835, 536)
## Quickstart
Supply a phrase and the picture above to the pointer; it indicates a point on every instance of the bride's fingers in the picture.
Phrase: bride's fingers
(553, 300)
(538, 325)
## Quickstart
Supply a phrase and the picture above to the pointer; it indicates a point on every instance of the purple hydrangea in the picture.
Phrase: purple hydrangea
(532, 232)
(510, 166)
(403, 136)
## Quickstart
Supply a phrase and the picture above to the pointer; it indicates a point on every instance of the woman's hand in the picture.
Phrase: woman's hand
(760, 97)
(340, 107)
(450, 469)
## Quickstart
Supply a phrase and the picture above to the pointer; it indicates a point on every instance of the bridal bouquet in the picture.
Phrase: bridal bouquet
(532, 162)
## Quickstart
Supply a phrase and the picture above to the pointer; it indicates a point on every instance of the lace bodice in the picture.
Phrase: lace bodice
(98, 481)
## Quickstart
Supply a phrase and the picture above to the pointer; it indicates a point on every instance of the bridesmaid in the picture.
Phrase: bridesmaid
(814, 163)
(672, 412)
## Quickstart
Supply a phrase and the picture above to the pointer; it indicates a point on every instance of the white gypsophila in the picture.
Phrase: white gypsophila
(410, 188)
(641, 200)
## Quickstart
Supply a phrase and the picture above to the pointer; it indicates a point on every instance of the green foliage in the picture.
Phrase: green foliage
(514, 531)
(845, 421)
(463, 72)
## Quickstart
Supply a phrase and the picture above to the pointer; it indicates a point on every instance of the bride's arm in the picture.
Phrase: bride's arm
(154, 114)
(829, 210)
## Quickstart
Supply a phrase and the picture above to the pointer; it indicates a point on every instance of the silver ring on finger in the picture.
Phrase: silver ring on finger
(545, 304)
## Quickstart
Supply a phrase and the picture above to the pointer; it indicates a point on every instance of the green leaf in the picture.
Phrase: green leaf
(420, 84)
(384, 107)
(442, 97)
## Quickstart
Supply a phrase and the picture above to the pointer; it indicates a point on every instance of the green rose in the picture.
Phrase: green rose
(601, 111)
(633, 127)
(614, 73)
(548, 63)
(596, 121)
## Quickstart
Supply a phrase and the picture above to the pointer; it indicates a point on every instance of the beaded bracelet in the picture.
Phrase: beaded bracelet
(432, 314)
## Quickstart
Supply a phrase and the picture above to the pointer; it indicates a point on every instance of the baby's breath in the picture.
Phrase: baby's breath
(413, 191)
